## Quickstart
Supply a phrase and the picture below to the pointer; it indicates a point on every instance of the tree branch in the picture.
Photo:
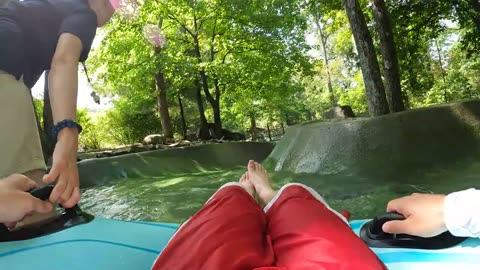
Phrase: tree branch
(212, 44)
(173, 17)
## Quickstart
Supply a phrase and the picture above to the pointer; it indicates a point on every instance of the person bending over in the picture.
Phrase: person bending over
(39, 35)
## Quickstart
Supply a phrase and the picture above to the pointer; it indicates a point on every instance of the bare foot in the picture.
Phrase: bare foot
(247, 184)
(258, 176)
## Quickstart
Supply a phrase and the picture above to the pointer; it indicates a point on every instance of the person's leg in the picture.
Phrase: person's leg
(229, 232)
(20, 141)
(305, 232)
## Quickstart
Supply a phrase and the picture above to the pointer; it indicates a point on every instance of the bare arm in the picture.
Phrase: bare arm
(63, 83)
(63, 79)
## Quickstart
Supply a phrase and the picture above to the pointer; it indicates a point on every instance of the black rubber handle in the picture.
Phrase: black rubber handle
(374, 236)
(378, 221)
(42, 193)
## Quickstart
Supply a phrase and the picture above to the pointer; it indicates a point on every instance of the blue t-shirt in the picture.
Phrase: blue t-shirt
(39, 23)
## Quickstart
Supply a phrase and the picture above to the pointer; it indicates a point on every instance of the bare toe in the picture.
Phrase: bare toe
(247, 184)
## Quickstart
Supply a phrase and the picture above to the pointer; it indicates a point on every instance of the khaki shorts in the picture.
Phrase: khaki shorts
(20, 146)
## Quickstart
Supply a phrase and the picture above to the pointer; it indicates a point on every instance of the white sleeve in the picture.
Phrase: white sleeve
(462, 213)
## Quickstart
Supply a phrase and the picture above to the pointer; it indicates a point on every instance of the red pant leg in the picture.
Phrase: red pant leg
(228, 233)
(307, 235)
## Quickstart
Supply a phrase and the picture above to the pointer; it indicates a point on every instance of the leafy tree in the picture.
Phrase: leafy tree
(246, 66)
(377, 102)
(207, 43)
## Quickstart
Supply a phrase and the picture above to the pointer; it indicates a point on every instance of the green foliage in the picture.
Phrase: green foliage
(129, 122)
(91, 136)
(355, 96)
(256, 61)
(246, 49)
(38, 104)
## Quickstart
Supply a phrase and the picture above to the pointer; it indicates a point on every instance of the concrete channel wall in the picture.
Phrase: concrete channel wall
(411, 140)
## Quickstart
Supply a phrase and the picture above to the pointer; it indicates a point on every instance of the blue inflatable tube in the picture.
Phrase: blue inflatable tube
(123, 245)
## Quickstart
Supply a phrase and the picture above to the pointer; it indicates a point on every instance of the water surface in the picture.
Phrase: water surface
(175, 197)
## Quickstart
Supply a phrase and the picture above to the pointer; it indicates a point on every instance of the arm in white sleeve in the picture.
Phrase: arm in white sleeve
(462, 213)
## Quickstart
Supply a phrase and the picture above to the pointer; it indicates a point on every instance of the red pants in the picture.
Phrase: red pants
(297, 231)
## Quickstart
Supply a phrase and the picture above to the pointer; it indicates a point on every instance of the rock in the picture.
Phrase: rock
(207, 133)
(159, 146)
(339, 112)
(169, 141)
(121, 151)
(173, 145)
(185, 143)
(154, 139)
(138, 147)
(202, 134)
(192, 137)
(232, 135)
(104, 154)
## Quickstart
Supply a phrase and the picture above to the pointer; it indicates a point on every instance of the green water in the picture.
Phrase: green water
(176, 197)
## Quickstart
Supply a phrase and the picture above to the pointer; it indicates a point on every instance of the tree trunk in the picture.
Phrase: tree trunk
(253, 128)
(217, 120)
(391, 69)
(440, 60)
(203, 132)
(476, 16)
(406, 100)
(162, 104)
(182, 115)
(269, 132)
(214, 101)
(48, 143)
(323, 41)
(377, 102)
(216, 111)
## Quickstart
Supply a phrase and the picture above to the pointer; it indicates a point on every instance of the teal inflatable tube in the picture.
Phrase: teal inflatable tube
(121, 245)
